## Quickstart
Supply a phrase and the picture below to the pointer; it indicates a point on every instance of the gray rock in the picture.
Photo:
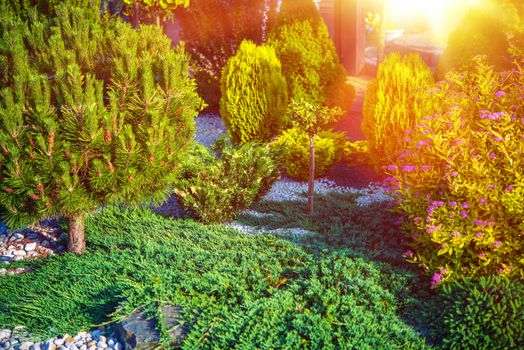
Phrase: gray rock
(30, 247)
(18, 236)
(19, 252)
(36, 346)
(137, 331)
(102, 339)
(26, 345)
(110, 342)
(5, 333)
(59, 341)
(118, 346)
(101, 344)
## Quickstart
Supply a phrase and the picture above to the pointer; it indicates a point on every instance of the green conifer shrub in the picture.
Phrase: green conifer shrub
(217, 189)
(479, 33)
(92, 112)
(254, 95)
(309, 59)
(394, 104)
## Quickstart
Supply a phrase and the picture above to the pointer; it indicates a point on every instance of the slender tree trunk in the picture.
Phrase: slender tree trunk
(381, 44)
(157, 17)
(76, 236)
(134, 17)
(311, 185)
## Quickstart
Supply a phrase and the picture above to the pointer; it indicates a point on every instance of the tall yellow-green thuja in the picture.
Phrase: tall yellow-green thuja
(395, 102)
(254, 94)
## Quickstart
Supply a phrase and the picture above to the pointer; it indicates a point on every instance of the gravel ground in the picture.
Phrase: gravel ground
(209, 128)
(98, 339)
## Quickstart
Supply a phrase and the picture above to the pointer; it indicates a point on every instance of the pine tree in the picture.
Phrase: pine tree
(92, 112)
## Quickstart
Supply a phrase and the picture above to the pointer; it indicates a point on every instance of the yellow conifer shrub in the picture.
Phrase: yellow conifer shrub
(395, 101)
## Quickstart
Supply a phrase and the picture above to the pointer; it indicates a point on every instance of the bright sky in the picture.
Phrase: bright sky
(442, 16)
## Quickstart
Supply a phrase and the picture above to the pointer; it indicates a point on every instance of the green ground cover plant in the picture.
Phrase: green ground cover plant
(237, 290)
(479, 314)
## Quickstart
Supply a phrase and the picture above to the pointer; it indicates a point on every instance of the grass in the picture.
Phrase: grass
(345, 287)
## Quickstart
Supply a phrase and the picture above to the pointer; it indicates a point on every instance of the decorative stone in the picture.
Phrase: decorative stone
(137, 331)
(19, 252)
(118, 346)
(59, 341)
(26, 345)
(29, 247)
(5, 333)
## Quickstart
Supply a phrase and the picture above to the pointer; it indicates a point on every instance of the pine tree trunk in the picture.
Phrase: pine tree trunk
(311, 185)
(134, 17)
(76, 237)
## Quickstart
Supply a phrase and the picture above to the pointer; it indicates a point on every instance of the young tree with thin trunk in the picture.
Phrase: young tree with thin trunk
(92, 112)
(312, 119)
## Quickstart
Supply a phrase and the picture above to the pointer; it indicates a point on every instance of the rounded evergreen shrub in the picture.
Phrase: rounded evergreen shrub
(479, 314)
(254, 94)
(394, 103)
(215, 189)
(293, 148)
(309, 58)
(479, 33)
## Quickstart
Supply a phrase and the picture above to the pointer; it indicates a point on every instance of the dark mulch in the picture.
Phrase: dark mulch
(357, 176)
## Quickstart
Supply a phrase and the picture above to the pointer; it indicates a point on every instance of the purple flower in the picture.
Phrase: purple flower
(453, 203)
(431, 229)
(435, 279)
(492, 155)
(456, 234)
(482, 255)
(422, 143)
(465, 205)
(509, 188)
(499, 93)
(409, 168)
(491, 187)
(453, 174)
(496, 138)
(497, 244)
(392, 167)
(425, 167)
(464, 214)
(479, 234)
(483, 201)
(408, 253)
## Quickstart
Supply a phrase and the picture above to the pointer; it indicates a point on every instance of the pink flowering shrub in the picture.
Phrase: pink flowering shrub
(460, 181)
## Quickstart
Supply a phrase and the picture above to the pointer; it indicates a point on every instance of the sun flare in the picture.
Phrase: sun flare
(440, 16)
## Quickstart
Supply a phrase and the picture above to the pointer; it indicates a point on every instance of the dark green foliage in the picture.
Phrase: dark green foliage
(212, 31)
(309, 60)
(484, 314)
(236, 290)
(479, 33)
(254, 96)
(297, 11)
(216, 190)
(92, 112)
